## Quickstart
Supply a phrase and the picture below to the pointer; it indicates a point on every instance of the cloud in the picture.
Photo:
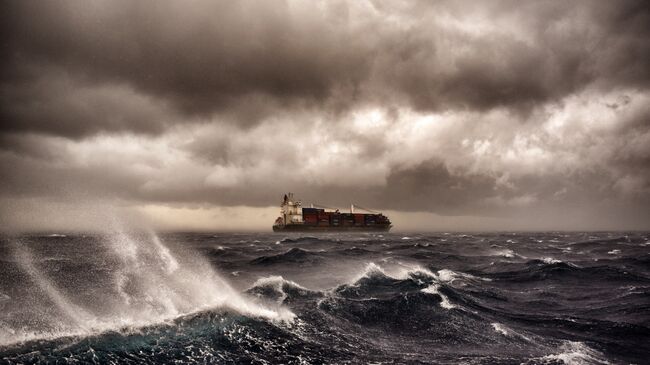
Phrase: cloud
(77, 69)
(497, 109)
(57, 104)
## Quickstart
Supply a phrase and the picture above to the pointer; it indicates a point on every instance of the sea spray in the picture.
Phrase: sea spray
(150, 284)
(76, 316)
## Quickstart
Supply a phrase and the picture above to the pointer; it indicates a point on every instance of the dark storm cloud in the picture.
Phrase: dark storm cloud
(199, 56)
(75, 69)
(543, 51)
(430, 186)
(58, 105)
(487, 108)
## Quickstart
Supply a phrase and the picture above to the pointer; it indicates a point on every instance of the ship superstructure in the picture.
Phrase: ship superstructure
(294, 217)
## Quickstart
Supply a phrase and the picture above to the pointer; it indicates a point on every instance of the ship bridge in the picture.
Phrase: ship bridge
(291, 210)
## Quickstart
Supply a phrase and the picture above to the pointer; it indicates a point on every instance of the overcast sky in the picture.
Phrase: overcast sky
(446, 115)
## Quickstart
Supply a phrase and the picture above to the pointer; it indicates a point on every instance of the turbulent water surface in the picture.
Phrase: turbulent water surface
(543, 298)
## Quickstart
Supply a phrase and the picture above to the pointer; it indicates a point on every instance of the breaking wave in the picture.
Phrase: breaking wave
(146, 284)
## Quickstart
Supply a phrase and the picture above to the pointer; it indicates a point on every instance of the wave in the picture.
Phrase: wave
(280, 289)
(147, 284)
(213, 336)
(450, 276)
(355, 251)
(374, 282)
(550, 260)
(298, 240)
(444, 301)
(416, 304)
(506, 252)
(507, 331)
(545, 269)
(576, 353)
(373, 273)
(294, 255)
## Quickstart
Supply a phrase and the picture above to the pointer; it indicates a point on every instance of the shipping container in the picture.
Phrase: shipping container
(310, 218)
(358, 219)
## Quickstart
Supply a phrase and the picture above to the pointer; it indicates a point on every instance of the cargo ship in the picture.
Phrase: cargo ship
(318, 218)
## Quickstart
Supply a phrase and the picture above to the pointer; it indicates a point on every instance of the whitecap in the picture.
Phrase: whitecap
(449, 276)
(507, 331)
(444, 301)
(508, 253)
(498, 327)
(577, 353)
(275, 281)
(550, 260)
(369, 271)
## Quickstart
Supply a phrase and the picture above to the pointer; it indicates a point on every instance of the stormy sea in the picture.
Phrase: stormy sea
(444, 298)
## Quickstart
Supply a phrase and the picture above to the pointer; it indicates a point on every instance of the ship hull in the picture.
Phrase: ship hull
(304, 228)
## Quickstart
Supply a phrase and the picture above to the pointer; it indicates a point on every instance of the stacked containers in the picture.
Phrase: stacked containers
(310, 219)
(335, 219)
(323, 218)
(310, 216)
(348, 219)
(359, 219)
(370, 219)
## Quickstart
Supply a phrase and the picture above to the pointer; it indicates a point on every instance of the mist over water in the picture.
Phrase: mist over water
(82, 285)
(133, 296)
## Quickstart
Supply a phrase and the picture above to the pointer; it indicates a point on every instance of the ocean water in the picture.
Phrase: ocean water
(448, 298)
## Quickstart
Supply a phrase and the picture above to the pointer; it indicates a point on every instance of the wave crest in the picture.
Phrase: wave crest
(279, 289)
(145, 284)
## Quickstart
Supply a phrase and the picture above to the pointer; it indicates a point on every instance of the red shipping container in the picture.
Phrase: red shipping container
(310, 218)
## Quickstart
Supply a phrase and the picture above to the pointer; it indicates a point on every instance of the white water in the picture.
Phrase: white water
(550, 260)
(498, 327)
(577, 353)
(507, 331)
(147, 284)
(406, 271)
(277, 282)
(435, 289)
